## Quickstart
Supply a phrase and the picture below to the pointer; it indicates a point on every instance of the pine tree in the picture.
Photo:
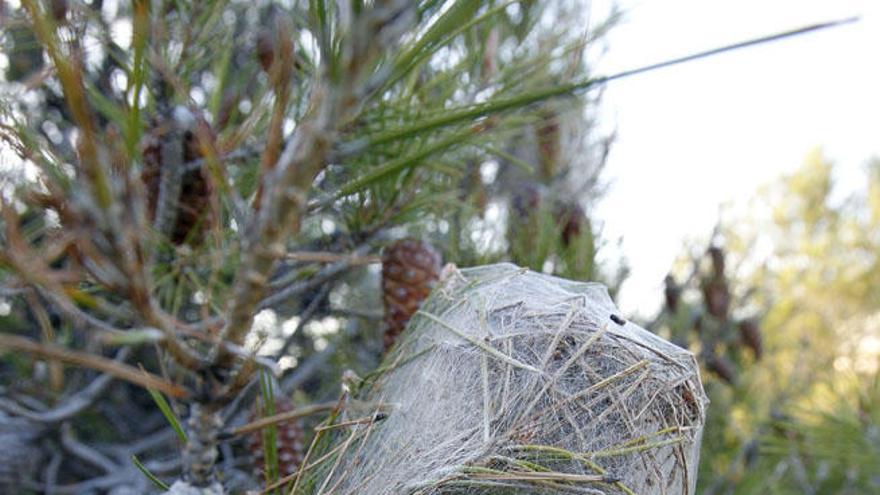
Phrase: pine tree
(196, 171)
(802, 412)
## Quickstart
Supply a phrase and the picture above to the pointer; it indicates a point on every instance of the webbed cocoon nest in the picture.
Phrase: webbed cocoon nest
(509, 381)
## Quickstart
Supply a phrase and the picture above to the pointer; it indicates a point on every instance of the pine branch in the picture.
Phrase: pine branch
(333, 103)
(71, 405)
(109, 366)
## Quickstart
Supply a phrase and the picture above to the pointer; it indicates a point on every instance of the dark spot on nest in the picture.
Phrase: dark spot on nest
(616, 319)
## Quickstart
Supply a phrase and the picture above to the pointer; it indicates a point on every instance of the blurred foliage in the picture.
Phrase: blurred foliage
(803, 264)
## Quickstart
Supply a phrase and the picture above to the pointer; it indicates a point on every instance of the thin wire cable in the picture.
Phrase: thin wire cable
(723, 49)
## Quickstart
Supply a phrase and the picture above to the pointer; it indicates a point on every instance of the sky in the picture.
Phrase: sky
(692, 137)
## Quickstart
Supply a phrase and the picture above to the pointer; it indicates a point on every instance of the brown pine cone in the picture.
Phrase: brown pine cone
(473, 191)
(750, 336)
(525, 200)
(290, 442)
(228, 108)
(721, 366)
(716, 297)
(528, 199)
(275, 42)
(266, 48)
(672, 293)
(716, 254)
(194, 214)
(548, 134)
(570, 217)
(410, 268)
(59, 10)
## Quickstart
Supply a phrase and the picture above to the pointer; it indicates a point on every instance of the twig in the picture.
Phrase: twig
(12, 291)
(328, 257)
(308, 368)
(482, 345)
(170, 181)
(237, 350)
(84, 452)
(71, 405)
(109, 366)
(234, 406)
(338, 461)
(286, 276)
(373, 418)
(56, 371)
(304, 468)
(115, 479)
(333, 415)
(321, 277)
(237, 154)
(597, 334)
(50, 477)
(149, 442)
(304, 318)
(334, 103)
(356, 313)
(281, 418)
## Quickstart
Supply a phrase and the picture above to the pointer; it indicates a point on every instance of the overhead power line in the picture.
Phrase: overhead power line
(723, 49)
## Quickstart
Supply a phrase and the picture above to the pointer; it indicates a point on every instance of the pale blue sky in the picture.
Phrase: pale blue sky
(692, 137)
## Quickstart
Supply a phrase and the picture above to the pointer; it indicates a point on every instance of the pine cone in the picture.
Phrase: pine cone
(266, 48)
(275, 42)
(716, 293)
(549, 138)
(717, 256)
(672, 292)
(59, 10)
(721, 366)
(193, 215)
(409, 269)
(716, 297)
(228, 108)
(473, 191)
(290, 442)
(750, 336)
(526, 200)
(570, 217)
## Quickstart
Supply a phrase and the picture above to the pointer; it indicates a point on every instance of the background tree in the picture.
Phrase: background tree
(803, 260)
